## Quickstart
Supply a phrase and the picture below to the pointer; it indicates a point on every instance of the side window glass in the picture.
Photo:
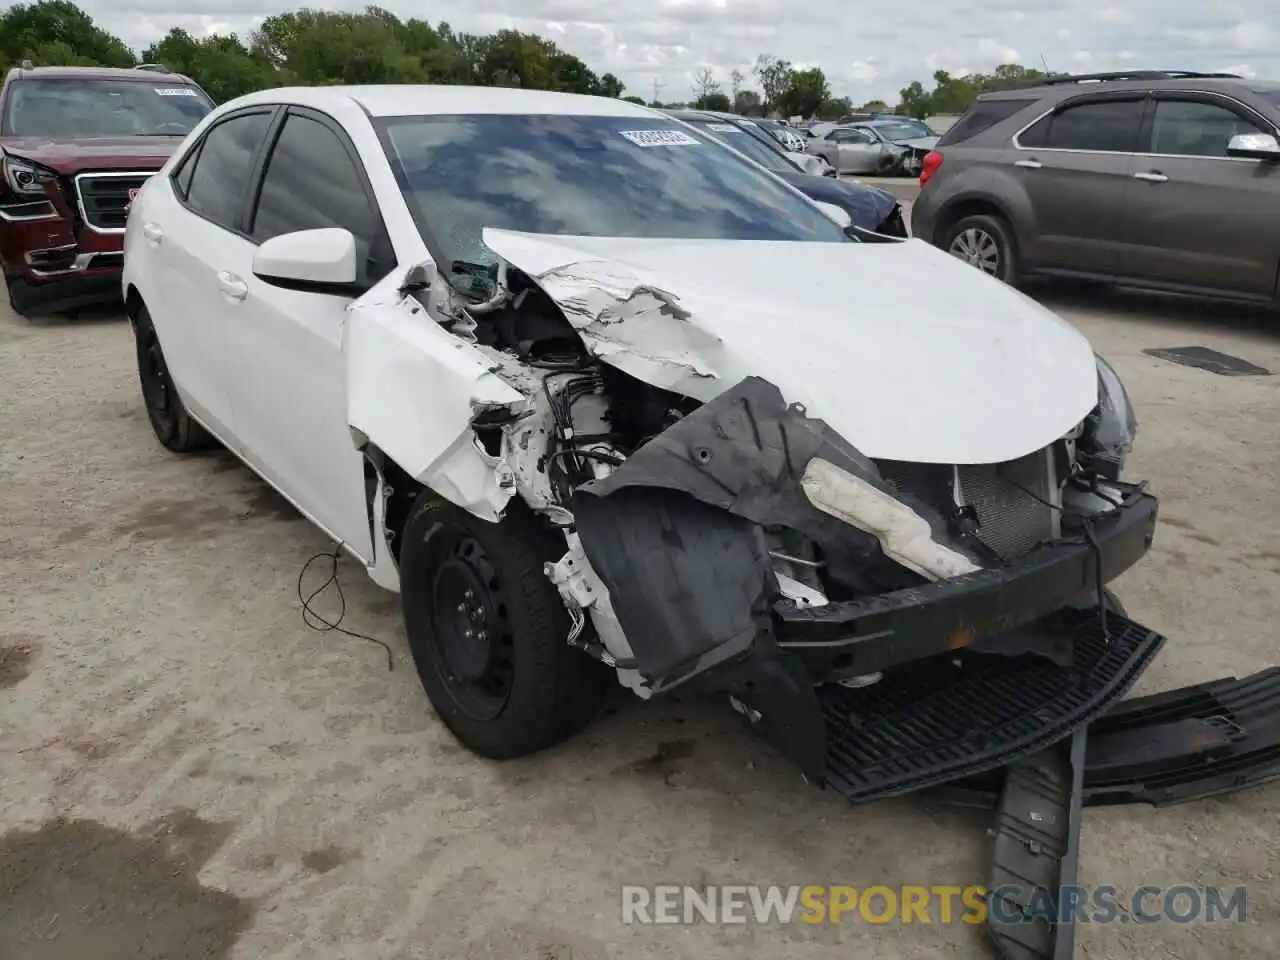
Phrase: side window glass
(220, 173)
(1107, 125)
(182, 176)
(312, 182)
(1193, 128)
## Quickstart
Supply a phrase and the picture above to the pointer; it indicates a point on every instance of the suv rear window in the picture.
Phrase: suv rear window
(983, 115)
(78, 108)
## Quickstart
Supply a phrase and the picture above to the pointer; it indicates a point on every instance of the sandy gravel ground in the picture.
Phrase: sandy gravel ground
(189, 771)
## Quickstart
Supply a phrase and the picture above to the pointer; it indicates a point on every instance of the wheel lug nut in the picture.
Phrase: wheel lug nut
(469, 595)
(462, 608)
(481, 636)
(467, 634)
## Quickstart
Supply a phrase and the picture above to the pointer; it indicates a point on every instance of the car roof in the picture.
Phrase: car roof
(424, 99)
(1139, 80)
(98, 73)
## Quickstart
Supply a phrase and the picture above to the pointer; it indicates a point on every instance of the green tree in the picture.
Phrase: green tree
(805, 93)
(639, 100)
(748, 103)
(774, 76)
(57, 32)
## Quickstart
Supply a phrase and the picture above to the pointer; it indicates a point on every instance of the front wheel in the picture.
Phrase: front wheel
(986, 242)
(488, 630)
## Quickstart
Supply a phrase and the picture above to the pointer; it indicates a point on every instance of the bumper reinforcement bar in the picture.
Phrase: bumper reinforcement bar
(938, 720)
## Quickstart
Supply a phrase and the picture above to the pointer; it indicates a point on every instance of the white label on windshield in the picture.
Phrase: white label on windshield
(659, 138)
(175, 91)
(721, 127)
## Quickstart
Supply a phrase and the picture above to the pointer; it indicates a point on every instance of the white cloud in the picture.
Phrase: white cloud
(870, 53)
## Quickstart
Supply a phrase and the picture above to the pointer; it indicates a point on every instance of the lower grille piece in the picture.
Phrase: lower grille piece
(934, 721)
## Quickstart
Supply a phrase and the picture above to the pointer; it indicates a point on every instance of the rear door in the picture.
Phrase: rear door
(190, 237)
(858, 150)
(1196, 215)
(1074, 165)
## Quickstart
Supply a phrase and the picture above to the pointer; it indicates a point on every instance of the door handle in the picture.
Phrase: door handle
(1029, 164)
(153, 233)
(1155, 176)
(232, 286)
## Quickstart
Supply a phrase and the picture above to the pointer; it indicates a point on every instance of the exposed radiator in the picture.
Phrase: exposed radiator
(1011, 521)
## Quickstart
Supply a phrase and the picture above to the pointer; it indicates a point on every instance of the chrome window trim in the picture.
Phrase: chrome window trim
(1147, 95)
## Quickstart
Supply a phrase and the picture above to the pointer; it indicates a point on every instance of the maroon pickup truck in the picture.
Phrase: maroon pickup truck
(76, 144)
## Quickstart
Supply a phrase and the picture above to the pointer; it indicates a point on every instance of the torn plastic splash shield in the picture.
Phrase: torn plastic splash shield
(675, 532)
(1037, 853)
(1186, 744)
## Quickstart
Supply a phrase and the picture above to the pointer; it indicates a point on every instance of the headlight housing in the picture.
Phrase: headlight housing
(24, 177)
(1113, 425)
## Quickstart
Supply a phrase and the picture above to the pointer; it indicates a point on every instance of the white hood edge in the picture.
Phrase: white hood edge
(905, 351)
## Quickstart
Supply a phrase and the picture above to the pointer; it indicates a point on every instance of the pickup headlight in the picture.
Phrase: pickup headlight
(1113, 426)
(25, 177)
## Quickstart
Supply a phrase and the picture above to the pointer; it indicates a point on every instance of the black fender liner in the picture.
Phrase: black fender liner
(677, 531)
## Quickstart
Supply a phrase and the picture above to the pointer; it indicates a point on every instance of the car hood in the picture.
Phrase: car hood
(72, 155)
(919, 143)
(868, 206)
(909, 353)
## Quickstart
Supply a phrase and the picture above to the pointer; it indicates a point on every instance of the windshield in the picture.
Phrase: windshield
(901, 131)
(746, 144)
(585, 176)
(103, 108)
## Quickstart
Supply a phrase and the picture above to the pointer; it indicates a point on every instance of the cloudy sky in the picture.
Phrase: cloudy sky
(868, 49)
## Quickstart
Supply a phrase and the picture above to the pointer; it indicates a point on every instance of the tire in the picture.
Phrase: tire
(973, 238)
(173, 426)
(516, 687)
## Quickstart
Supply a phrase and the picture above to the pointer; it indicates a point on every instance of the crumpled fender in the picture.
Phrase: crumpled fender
(413, 389)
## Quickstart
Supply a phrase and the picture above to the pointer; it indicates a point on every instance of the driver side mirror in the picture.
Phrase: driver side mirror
(1254, 146)
(310, 261)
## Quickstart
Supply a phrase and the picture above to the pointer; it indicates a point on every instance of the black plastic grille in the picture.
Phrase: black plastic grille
(104, 198)
(947, 717)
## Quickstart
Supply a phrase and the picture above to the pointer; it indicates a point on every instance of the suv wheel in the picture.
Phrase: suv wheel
(985, 242)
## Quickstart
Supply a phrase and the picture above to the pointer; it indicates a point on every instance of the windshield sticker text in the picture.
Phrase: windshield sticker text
(175, 91)
(721, 127)
(659, 138)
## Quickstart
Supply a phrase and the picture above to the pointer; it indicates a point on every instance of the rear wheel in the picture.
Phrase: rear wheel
(173, 426)
(488, 630)
(986, 242)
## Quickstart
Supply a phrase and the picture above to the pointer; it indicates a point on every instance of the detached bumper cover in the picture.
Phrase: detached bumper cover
(873, 634)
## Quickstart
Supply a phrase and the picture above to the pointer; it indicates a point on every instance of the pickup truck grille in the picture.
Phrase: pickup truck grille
(104, 197)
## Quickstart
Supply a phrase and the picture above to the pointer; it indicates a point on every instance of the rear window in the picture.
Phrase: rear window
(983, 115)
(77, 108)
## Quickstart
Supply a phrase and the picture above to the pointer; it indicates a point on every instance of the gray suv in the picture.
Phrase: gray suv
(1165, 180)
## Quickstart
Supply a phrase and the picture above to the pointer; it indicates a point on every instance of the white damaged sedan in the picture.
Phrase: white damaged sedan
(600, 397)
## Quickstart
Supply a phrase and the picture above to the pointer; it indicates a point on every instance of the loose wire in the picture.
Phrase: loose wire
(317, 622)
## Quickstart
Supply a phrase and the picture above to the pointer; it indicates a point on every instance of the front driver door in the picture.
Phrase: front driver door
(291, 408)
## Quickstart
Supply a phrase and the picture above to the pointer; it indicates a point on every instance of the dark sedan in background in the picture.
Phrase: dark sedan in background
(875, 213)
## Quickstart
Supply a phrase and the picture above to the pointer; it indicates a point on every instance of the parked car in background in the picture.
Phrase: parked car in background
(807, 163)
(856, 150)
(790, 138)
(1165, 180)
(78, 144)
(871, 210)
(907, 141)
(604, 401)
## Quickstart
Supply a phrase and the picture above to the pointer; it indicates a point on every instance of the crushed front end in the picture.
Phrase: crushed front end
(888, 626)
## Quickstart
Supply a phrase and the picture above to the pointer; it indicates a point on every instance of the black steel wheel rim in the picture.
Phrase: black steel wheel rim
(470, 624)
(157, 390)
